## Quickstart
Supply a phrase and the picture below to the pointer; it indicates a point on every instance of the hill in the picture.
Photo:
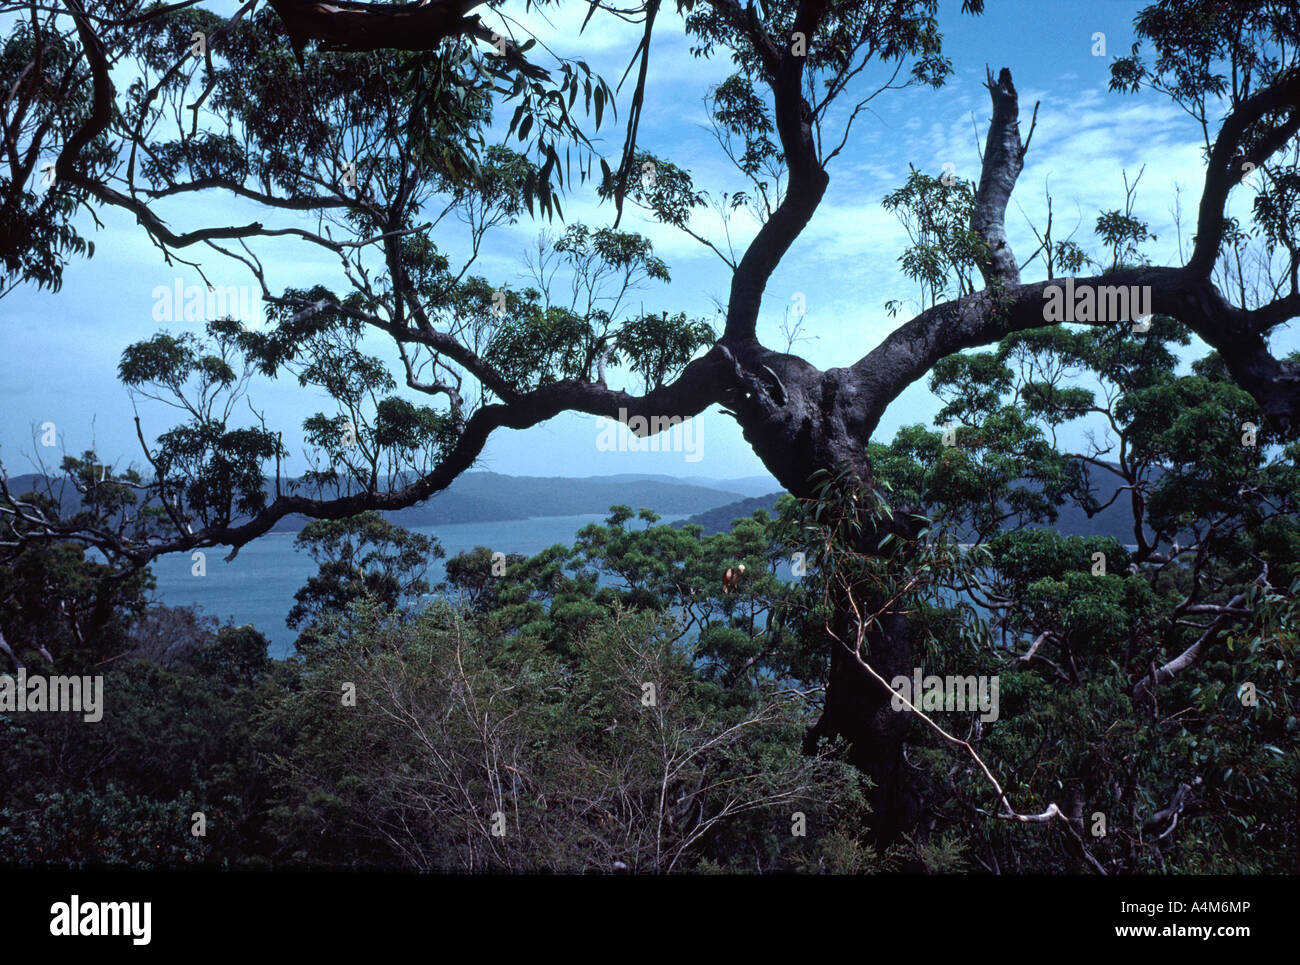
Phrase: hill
(719, 520)
(1116, 520)
(489, 497)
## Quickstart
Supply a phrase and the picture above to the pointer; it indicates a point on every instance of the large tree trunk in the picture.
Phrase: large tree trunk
(858, 709)
(798, 421)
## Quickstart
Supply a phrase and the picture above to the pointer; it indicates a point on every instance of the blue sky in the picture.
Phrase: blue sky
(64, 347)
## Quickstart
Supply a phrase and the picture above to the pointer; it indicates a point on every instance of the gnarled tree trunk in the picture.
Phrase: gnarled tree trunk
(799, 421)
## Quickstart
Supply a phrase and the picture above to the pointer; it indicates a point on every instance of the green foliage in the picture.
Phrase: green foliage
(936, 212)
(80, 829)
(657, 347)
(43, 109)
(73, 606)
(583, 772)
(171, 742)
(1207, 53)
(1142, 678)
(850, 32)
(1080, 625)
(541, 346)
(362, 557)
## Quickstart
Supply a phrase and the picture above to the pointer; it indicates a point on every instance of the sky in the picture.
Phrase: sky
(63, 348)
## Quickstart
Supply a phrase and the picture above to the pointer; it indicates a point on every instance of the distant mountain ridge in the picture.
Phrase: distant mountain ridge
(1116, 520)
(719, 520)
(482, 496)
(492, 497)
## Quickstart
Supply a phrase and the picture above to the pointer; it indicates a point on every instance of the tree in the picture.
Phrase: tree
(362, 557)
(1128, 673)
(1230, 66)
(557, 723)
(73, 141)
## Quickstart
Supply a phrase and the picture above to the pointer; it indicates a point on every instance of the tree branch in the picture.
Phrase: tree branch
(1003, 161)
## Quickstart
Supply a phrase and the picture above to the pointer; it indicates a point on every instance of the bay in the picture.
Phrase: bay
(257, 587)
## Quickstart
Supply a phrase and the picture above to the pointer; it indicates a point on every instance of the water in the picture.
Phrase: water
(257, 587)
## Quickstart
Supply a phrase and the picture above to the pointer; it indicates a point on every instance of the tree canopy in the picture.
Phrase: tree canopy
(378, 120)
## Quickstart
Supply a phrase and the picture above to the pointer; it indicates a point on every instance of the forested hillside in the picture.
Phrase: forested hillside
(479, 497)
